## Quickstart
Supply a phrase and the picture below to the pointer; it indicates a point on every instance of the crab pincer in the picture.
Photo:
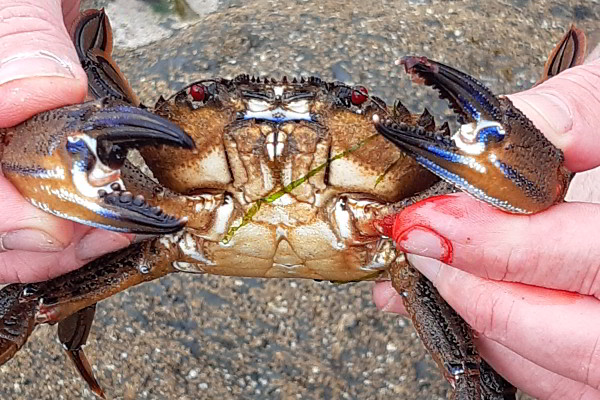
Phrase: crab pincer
(497, 154)
(67, 161)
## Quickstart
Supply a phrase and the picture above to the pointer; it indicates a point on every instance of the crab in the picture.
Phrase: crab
(314, 169)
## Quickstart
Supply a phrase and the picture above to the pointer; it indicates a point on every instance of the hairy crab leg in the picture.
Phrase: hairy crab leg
(448, 338)
(70, 299)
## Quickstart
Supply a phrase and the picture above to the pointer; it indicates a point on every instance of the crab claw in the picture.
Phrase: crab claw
(67, 161)
(497, 154)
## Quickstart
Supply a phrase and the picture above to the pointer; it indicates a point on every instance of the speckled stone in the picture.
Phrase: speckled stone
(198, 337)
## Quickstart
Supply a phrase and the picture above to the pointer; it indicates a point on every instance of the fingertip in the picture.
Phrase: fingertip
(530, 377)
(98, 242)
(70, 10)
(429, 267)
(387, 299)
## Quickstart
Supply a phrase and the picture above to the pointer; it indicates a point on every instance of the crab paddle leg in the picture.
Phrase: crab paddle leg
(92, 37)
(73, 333)
(570, 51)
(69, 299)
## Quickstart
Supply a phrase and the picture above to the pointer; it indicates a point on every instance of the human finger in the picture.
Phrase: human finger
(70, 11)
(387, 299)
(565, 108)
(39, 68)
(555, 249)
(25, 227)
(530, 377)
(87, 244)
(518, 316)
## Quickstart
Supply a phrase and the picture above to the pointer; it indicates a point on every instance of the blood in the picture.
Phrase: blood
(447, 253)
(538, 295)
(386, 225)
(398, 226)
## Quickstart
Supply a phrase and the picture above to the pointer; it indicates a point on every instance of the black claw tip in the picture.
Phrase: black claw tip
(120, 127)
(412, 138)
(468, 97)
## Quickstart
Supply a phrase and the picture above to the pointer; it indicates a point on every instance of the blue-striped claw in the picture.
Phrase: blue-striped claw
(67, 162)
(496, 155)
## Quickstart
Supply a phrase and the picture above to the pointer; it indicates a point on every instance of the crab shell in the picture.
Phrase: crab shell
(254, 138)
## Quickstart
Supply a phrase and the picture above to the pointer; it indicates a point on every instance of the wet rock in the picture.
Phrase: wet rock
(340, 73)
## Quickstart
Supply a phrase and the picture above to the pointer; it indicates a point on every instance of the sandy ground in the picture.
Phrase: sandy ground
(196, 337)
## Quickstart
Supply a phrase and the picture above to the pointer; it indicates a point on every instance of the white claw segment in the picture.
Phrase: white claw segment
(467, 136)
(100, 177)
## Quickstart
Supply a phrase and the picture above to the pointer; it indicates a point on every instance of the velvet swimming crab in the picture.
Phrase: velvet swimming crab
(314, 169)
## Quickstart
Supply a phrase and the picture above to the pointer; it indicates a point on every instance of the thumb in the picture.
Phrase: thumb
(39, 68)
(566, 108)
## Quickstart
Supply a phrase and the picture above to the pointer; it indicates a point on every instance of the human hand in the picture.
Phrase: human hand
(39, 70)
(529, 285)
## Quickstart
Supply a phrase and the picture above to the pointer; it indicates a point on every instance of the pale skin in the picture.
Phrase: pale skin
(544, 341)
(528, 285)
(39, 70)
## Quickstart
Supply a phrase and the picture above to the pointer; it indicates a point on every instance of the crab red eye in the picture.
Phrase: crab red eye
(359, 95)
(198, 92)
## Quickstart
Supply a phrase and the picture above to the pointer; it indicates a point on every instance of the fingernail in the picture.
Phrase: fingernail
(427, 266)
(98, 242)
(40, 63)
(422, 241)
(29, 240)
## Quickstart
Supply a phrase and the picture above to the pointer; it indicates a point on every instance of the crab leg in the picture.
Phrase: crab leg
(73, 333)
(70, 299)
(448, 338)
(92, 36)
(570, 51)
(445, 335)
